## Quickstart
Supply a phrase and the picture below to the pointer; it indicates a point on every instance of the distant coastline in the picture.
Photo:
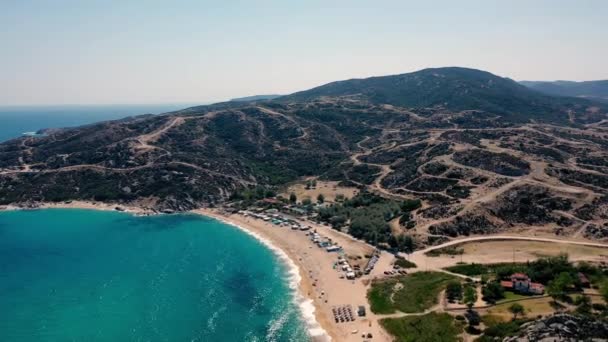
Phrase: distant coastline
(18, 121)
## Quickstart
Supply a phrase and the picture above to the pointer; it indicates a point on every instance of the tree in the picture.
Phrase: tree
(470, 296)
(320, 198)
(306, 201)
(492, 292)
(410, 205)
(405, 218)
(293, 198)
(402, 243)
(270, 193)
(472, 317)
(453, 291)
(516, 309)
(407, 244)
(558, 287)
(583, 305)
(314, 183)
(260, 192)
(604, 290)
(337, 221)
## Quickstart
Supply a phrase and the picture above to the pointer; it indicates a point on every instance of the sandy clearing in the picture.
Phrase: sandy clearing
(329, 190)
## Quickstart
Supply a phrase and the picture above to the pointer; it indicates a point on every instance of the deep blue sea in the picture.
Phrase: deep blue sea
(84, 275)
(16, 120)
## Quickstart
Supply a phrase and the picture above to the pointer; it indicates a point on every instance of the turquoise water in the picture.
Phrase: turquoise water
(81, 275)
(16, 120)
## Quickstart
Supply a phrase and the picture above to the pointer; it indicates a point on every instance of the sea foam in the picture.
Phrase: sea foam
(305, 305)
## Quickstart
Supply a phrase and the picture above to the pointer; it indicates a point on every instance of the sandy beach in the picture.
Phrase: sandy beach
(320, 282)
(83, 205)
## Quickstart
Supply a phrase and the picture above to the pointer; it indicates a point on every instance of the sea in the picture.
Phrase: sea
(87, 275)
(18, 120)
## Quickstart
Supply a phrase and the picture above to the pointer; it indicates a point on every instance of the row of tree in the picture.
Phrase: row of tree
(367, 216)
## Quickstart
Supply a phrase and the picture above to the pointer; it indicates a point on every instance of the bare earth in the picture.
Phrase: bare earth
(503, 248)
(329, 190)
(84, 205)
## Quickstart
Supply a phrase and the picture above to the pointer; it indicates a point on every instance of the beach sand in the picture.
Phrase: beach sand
(83, 205)
(316, 267)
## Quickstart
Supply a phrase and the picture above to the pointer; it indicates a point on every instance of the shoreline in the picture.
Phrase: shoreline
(76, 204)
(305, 304)
(299, 282)
(321, 282)
(318, 287)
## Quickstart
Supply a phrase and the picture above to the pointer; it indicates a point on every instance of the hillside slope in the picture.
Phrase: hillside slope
(594, 90)
(476, 171)
(454, 89)
(255, 98)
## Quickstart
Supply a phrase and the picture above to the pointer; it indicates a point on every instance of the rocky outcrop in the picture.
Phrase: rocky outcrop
(529, 204)
(595, 232)
(466, 224)
(562, 327)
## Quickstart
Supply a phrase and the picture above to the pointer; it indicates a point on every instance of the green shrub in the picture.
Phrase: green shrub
(404, 263)
(433, 327)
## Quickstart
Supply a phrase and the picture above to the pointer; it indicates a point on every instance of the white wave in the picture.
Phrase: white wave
(306, 306)
(211, 322)
(276, 326)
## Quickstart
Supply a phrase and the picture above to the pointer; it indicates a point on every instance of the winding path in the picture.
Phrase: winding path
(511, 237)
(420, 259)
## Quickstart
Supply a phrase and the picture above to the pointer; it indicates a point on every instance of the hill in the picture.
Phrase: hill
(485, 169)
(594, 90)
(255, 98)
(454, 89)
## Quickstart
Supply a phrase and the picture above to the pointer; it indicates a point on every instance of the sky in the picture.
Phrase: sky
(126, 52)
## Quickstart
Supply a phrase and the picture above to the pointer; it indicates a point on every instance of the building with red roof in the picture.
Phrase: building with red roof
(520, 282)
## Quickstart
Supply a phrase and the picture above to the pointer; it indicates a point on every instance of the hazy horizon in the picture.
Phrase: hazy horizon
(192, 52)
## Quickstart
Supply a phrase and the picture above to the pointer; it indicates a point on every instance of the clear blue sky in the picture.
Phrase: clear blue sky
(121, 51)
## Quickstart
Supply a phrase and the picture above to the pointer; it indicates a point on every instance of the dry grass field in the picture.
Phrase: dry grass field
(521, 251)
(329, 189)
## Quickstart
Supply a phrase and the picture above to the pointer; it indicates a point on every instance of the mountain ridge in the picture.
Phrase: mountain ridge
(452, 88)
(479, 167)
(255, 98)
(593, 90)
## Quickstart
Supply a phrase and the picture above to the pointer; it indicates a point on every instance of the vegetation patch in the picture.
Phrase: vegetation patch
(367, 217)
(501, 163)
(412, 293)
(451, 250)
(404, 263)
(433, 327)
(466, 224)
(529, 204)
(511, 296)
(497, 330)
